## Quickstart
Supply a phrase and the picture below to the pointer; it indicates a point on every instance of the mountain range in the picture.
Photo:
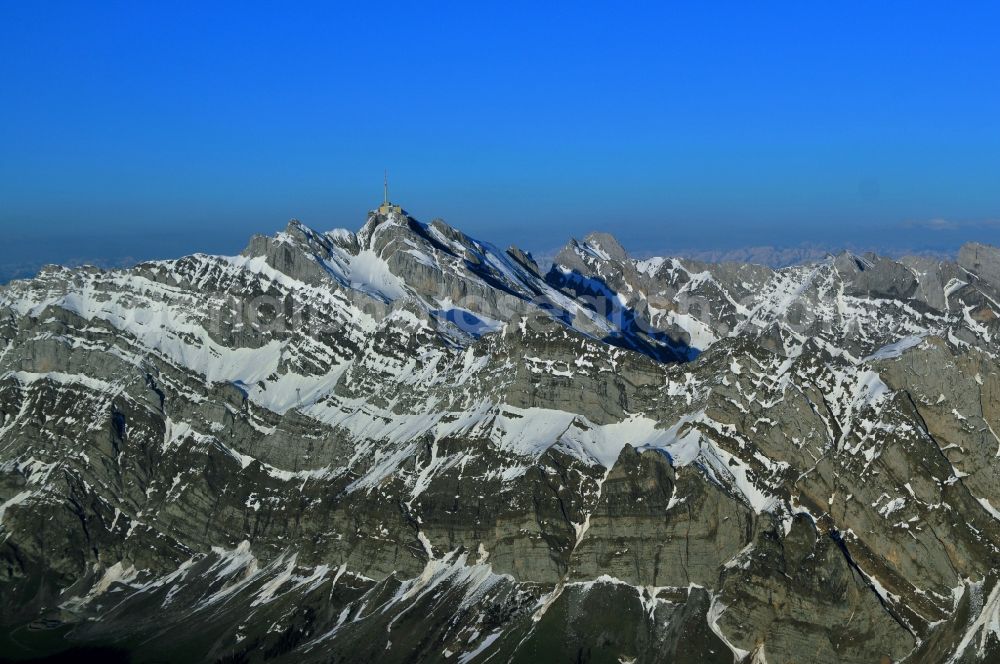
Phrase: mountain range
(404, 444)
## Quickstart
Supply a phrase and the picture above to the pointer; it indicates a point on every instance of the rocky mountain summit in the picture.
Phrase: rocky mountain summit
(404, 444)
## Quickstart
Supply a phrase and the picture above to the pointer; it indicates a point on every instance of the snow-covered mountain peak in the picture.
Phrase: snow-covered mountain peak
(343, 445)
(605, 245)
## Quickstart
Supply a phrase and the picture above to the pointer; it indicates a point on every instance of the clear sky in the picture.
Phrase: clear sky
(154, 129)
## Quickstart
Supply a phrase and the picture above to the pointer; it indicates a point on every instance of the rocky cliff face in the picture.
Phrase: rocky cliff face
(403, 444)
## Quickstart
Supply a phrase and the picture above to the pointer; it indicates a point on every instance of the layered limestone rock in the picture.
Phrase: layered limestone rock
(401, 444)
(656, 527)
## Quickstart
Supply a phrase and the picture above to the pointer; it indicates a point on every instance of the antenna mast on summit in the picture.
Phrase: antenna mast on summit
(385, 188)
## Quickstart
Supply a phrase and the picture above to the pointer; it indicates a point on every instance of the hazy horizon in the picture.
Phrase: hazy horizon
(126, 248)
(136, 131)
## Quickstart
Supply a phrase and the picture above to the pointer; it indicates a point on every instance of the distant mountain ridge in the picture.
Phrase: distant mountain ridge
(778, 257)
(405, 444)
(770, 255)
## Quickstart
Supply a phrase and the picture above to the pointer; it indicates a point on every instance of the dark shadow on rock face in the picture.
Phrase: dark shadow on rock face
(78, 656)
(39, 642)
(632, 332)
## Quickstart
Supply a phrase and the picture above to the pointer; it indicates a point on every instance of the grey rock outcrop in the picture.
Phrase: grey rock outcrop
(402, 444)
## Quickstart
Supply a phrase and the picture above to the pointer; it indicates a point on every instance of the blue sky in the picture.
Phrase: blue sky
(146, 129)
